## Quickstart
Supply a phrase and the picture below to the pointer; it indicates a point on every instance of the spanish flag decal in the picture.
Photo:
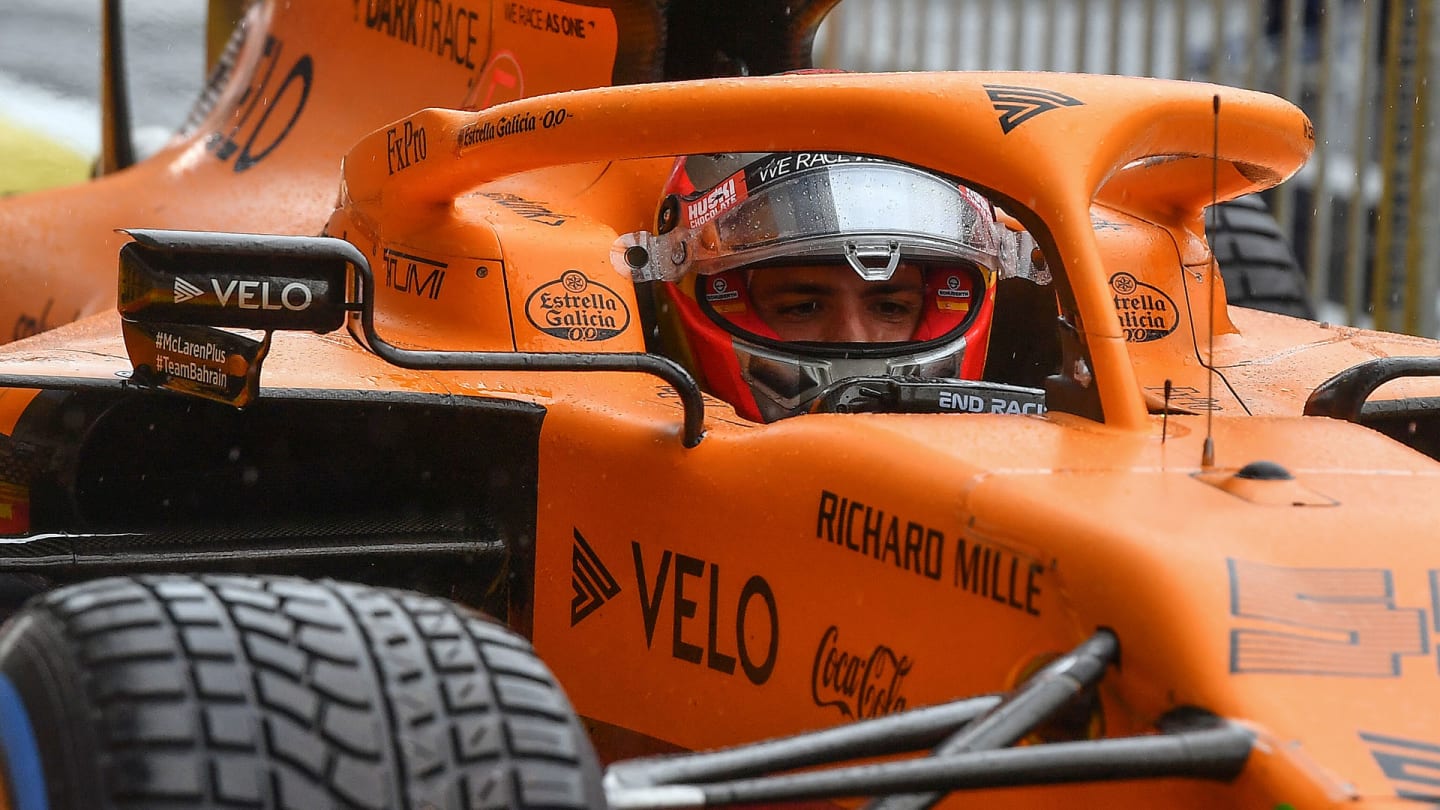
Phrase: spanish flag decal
(14, 509)
(955, 295)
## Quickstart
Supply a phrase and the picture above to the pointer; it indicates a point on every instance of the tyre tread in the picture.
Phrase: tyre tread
(1256, 261)
(221, 692)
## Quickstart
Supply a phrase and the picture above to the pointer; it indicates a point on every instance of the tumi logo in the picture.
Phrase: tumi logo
(414, 274)
(184, 290)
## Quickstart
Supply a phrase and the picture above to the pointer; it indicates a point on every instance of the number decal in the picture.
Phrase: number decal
(1413, 766)
(1340, 622)
(251, 139)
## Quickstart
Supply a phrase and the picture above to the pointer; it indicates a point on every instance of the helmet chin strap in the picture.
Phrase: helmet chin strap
(864, 257)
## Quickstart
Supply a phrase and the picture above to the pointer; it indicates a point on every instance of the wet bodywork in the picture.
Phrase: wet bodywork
(1228, 550)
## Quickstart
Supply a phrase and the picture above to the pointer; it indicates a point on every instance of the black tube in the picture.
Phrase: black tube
(907, 731)
(119, 149)
(1034, 702)
(1343, 396)
(1217, 753)
(326, 247)
(638, 362)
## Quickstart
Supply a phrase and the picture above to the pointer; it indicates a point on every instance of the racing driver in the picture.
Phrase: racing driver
(782, 273)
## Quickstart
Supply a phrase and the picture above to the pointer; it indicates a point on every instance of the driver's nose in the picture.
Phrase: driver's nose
(847, 323)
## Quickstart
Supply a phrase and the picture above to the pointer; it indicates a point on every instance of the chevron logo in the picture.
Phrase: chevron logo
(592, 582)
(184, 290)
(1017, 105)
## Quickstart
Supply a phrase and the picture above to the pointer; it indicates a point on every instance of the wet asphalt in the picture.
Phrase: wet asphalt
(50, 64)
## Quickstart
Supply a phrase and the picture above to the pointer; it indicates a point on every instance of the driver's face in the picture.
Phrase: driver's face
(828, 303)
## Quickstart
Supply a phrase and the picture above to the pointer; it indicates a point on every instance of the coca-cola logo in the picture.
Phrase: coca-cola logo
(860, 684)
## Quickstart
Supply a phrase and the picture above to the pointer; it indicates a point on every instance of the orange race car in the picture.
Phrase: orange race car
(1084, 534)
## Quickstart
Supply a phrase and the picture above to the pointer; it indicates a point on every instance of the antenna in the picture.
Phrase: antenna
(1165, 414)
(1207, 455)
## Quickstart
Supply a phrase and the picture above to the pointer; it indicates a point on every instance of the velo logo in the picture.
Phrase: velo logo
(184, 290)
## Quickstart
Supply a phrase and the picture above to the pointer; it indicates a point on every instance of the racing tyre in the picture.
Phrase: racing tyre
(271, 692)
(1256, 260)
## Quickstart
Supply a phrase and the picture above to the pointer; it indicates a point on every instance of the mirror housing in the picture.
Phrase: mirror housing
(180, 291)
(241, 281)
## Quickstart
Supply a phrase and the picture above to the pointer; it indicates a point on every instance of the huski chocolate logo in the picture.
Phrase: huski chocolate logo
(717, 202)
(860, 684)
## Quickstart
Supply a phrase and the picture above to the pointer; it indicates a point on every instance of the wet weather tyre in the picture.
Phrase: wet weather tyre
(269, 692)
(1256, 259)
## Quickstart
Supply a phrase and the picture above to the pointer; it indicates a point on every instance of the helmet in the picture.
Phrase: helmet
(927, 246)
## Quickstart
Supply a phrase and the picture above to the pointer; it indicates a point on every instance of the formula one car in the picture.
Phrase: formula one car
(1161, 551)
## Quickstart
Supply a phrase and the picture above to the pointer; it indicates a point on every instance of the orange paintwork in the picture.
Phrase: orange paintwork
(266, 156)
(1130, 123)
(13, 402)
(946, 552)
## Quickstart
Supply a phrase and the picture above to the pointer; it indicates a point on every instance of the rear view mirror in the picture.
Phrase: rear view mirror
(178, 287)
(233, 280)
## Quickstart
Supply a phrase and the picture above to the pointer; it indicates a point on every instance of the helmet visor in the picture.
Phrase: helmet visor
(830, 306)
(864, 211)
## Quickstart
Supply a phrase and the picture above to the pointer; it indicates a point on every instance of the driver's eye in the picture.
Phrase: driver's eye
(799, 309)
(895, 309)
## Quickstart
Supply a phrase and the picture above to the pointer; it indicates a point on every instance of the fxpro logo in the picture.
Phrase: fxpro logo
(260, 295)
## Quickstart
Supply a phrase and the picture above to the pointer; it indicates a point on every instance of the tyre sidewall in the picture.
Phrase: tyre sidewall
(49, 714)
